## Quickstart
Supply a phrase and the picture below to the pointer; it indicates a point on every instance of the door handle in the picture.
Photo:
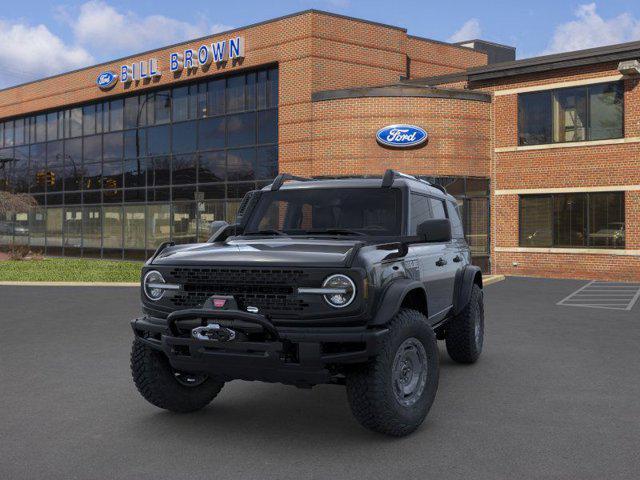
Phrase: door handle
(457, 259)
(441, 262)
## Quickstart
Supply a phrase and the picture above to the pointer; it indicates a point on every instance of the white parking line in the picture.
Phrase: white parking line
(612, 296)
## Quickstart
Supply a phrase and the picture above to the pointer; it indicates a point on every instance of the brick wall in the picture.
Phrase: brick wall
(429, 58)
(344, 136)
(565, 167)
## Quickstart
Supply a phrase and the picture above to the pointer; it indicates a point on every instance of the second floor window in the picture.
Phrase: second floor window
(577, 114)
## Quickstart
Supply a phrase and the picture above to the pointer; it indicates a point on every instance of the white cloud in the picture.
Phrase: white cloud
(107, 31)
(29, 52)
(97, 32)
(469, 31)
(591, 30)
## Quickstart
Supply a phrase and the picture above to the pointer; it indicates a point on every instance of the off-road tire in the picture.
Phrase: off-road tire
(462, 345)
(155, 380)
(370, 389)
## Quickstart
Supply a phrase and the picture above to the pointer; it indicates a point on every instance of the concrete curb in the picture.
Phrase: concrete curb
(70, 284)
(489, 279)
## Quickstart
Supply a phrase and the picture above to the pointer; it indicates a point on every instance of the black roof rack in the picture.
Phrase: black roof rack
(390, 175)
(283, 177)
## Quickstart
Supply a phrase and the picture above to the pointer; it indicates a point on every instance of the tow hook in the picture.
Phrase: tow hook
(213, 332)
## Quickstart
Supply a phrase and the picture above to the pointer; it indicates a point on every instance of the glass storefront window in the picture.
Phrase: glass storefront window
(6, 229)
(21, 228)
(241, 130)
(577, 220)
(131, 112)
(158, 140)
(112, 146)
(211, 133)
(209, 212)
(180, 104)
(92, 228)
(95, 169)
(112, 228)
(184, 169)
(116, 115)
(241, 164)
(162, 106)
(54, 230)
(235, 94)
(158, 171)
(184, 222)
(606, 220)
(134, 227)
(158, 225)
(212, 167)
(215, 97)
(184, 137)
(72, 229)
(19, 132)
(37, 227)
(89, 115)
(75, 122)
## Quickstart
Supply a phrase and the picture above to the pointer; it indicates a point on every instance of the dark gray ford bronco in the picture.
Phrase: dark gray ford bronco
(346, 281)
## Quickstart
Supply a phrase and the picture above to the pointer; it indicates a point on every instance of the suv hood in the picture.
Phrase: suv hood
(262, 252)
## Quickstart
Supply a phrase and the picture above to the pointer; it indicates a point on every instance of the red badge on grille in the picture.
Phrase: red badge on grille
(219, 302)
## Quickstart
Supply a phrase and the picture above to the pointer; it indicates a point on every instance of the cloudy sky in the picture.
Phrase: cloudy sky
(39, 38)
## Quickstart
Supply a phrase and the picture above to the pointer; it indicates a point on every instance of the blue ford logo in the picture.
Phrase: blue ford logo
(401, 136)
(106, 80)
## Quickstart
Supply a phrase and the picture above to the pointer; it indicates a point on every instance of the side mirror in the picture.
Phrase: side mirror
(435, 230)
(216, 228)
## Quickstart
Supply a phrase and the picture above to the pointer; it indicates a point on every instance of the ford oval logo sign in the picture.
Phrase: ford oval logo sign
(106, 80)
(401, 136)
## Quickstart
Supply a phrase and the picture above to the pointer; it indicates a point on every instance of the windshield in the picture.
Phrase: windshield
(331, 211)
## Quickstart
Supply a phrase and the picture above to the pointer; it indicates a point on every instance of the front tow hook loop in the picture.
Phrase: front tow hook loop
(213, 332)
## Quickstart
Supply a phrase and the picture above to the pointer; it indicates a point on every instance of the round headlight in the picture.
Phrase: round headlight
(344, 290)
(149, 285)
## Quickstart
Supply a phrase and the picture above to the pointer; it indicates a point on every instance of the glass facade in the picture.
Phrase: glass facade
(116, 178)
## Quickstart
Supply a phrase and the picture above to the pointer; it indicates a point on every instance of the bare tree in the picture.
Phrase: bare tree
(16, 202)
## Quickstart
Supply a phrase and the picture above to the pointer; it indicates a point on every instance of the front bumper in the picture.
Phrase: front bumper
(298, 356)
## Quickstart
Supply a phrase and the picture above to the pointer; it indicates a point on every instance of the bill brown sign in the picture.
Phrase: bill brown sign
(189, 59)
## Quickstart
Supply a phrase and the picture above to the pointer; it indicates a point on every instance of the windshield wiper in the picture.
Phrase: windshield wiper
(265, 232)
(335, 231)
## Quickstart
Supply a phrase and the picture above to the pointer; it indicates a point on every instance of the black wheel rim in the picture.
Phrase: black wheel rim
(409, 374)
(189, 379)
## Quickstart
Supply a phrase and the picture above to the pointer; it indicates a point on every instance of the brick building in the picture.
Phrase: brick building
(542, 153)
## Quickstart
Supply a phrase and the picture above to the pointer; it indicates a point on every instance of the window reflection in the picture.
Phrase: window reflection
(112, 227)
(99, 170)
(72, 229)
(184, 222)
(134, 226)
(158, 225)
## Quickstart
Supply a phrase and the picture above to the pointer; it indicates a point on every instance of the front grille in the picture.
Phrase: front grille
(270, 290)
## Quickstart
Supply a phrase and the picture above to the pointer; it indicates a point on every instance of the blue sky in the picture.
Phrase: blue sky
(43, 37)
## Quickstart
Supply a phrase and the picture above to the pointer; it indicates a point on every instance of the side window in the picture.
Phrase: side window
(420, 211)
(437, 207)
(456, 224)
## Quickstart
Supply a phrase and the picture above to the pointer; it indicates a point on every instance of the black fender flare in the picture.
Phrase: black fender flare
(465, 279)
(392, 297)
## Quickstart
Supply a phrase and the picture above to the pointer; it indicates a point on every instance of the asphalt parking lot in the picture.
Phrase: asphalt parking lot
(556, 394)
